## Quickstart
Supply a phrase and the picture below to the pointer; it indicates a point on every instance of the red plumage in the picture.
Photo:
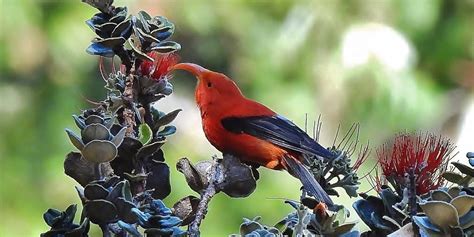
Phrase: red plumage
(251, 131)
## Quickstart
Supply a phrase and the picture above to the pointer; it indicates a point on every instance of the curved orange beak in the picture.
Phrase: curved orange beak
(194, 69)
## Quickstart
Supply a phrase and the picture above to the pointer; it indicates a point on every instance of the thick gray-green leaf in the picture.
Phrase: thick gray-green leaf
(117, 140)
(149, 150)
(166, 47)
(112, 42)
(124, 208)
(139, 54)
(463, 204)
(83, 170)
(95, 191)
(79, 121)
(102, 5)
(351, 190)
(441, 213)
(131, 229)
(344, 228)
(144, 17)
(186, 209)
(452, 177)
(249, 226)
(440, 195)
(95, 132)
(93, 119)
(106, 28)
(100, 211)
(121, 28)
(147, 37)
(467, 220)
(99, 151)
(167, 130)
(75, 140)
(120, 16)
(192, 176)
(454, 191)
(424, 223)
(166, 119)
(464, 168)
(99, 49)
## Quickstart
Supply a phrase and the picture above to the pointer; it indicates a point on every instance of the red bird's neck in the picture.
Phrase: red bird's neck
(219, 107)
(218, 97)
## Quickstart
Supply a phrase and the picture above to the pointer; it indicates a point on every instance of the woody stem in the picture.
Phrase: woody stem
(206, 197)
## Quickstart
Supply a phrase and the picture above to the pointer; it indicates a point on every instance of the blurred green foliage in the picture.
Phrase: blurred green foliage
(295, 56)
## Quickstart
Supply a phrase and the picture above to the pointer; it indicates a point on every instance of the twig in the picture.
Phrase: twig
(105, 230)
(299, 227)
(98, 171)
(206, 196)
(116, 230)
(128, 113)
(412, 199)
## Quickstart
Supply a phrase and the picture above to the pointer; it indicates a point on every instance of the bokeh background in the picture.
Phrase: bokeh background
(389, 65)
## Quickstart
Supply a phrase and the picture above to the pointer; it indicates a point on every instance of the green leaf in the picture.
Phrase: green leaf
(463, 204)
(131, 229)
(440, 213)
(147, 37)
(351, 190)
(166, 119)
(464, 169)
(70, 213)
(145, 133)
(168, 130)
(99, 151)
(118, 139)
(52, 216)
(139, 54)
(102, 5)
(166, 47)
(75, 140)
(452, 177)
(440, 195)
(466, 181)
(111, 42)
(344, 228)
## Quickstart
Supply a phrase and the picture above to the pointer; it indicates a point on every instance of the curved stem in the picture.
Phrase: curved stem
(105, 230)
(206, 197)
(98, 171)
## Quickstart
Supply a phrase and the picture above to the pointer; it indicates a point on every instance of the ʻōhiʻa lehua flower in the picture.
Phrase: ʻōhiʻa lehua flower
(427, 155)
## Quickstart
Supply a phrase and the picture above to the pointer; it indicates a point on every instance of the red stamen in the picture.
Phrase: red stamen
(428, 156)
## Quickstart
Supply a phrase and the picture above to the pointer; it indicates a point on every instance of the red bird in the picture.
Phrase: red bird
(251, 131)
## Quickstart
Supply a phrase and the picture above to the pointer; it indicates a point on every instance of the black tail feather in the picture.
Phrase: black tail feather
(312, 186)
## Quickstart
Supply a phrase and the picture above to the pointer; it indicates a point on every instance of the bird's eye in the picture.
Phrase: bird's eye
(209, 84)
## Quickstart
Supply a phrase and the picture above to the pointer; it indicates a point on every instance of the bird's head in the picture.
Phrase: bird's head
(212, 87)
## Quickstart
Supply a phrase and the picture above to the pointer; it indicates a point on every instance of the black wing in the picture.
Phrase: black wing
(277, 130)
(307, 179)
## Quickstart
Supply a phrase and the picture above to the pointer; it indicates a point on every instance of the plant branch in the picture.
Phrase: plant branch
(98, 171)
(412, 205)
(215, 176)
(128, 113)
(105, 230)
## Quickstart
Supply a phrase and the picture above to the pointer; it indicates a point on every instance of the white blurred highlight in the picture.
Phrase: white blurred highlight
(376, 41)
(189, 126)
(294, 31)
